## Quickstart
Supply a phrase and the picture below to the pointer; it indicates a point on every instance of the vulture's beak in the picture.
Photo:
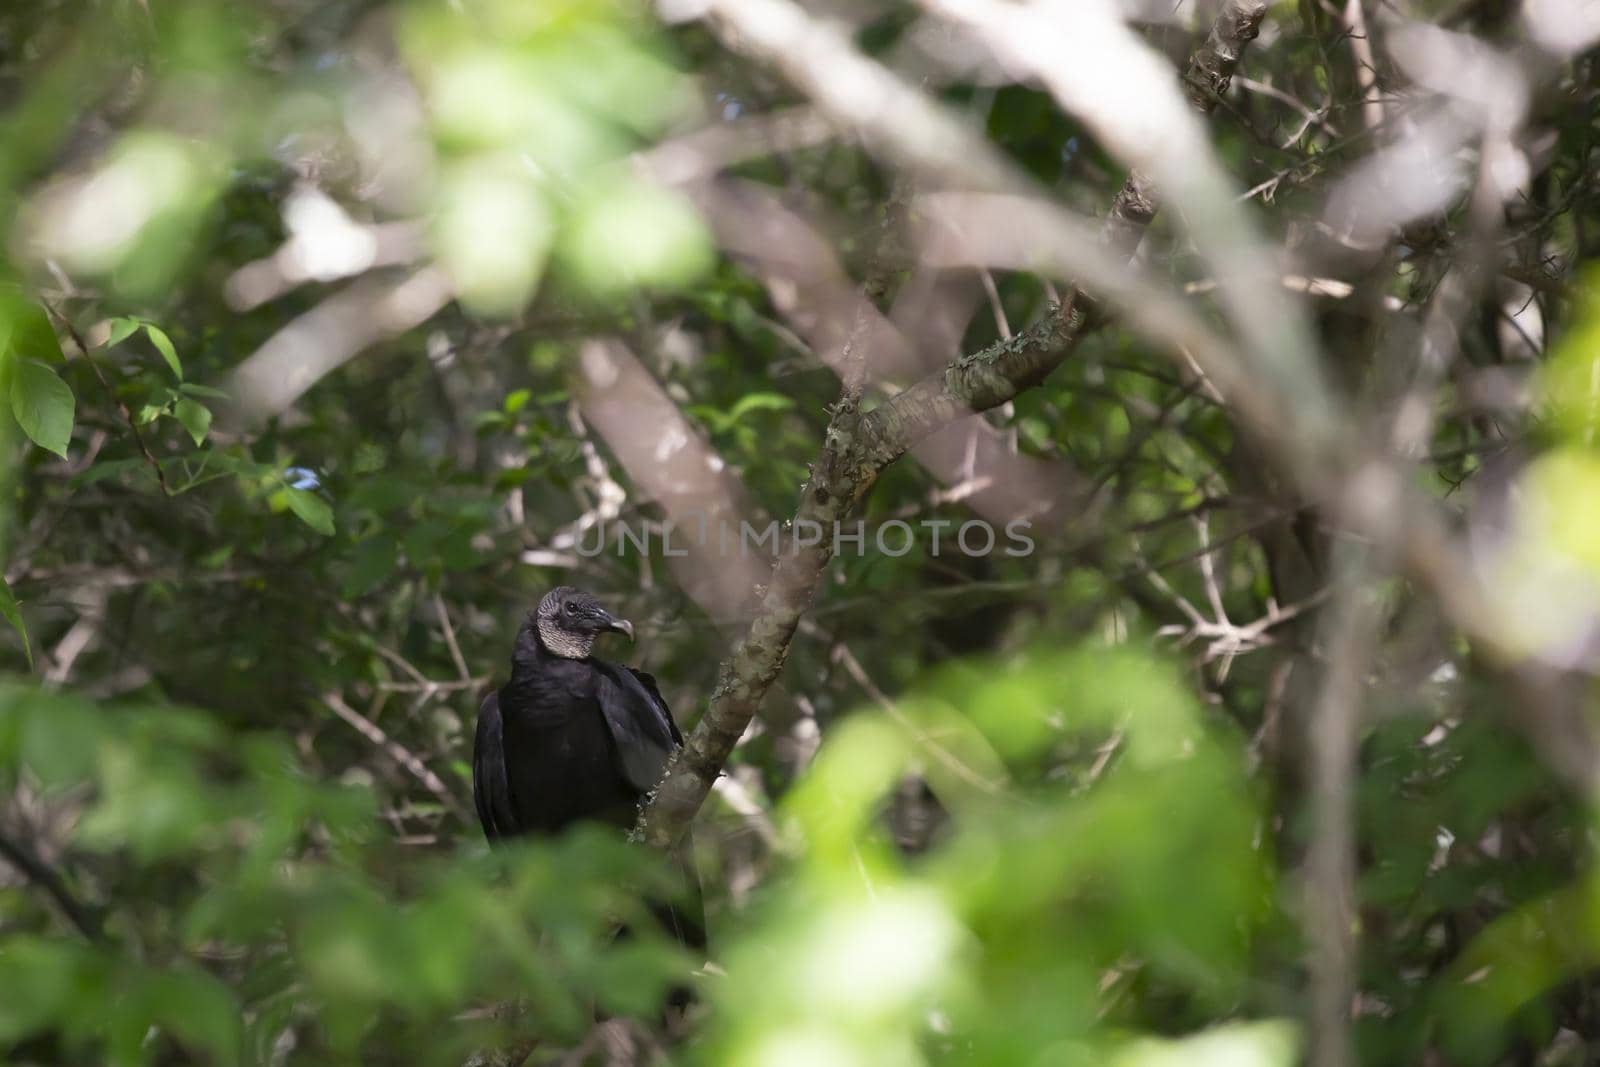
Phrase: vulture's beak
(621, 626)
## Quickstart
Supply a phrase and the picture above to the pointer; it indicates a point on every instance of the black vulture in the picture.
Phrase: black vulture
(571, 737)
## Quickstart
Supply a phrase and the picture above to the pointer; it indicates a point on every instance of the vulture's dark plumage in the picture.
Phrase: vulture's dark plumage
(571, 737)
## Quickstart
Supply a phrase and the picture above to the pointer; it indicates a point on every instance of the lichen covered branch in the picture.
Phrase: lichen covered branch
(859, 445)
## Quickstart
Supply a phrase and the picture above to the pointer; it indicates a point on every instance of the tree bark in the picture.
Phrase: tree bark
(858, 446)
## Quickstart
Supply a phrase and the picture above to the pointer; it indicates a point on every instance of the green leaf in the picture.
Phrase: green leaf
(41, 978)
(312, 509)
(243, 466)
(121, 329)
(759, 402)
(13, 614)
(195, 416)
(25, 330)
(202, 390)
(629, 232)
(113, 468)
(517, 401)
(43, 406)
(163, 343)
(374, 560)
(200, 1010)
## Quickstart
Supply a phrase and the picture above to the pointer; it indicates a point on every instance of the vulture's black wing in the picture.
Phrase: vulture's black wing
(491, 788)
(639, 722)
(648, 680)
(646, 736)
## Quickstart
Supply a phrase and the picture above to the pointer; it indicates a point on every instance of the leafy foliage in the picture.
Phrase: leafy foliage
(1003, 808)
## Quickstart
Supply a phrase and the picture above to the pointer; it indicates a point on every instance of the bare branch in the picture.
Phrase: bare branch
(1330, 879)
(397, 752)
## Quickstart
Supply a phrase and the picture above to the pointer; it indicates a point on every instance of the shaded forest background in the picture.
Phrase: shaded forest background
(333, 334)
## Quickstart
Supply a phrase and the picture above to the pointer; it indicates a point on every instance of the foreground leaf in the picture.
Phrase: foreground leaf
(13, 614)
(312, 509)
(25, 330)
(43, 406)
(195, 416)
(163, 343)
(121, 330)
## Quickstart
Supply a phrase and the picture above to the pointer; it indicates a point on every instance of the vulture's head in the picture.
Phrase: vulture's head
(568, 620)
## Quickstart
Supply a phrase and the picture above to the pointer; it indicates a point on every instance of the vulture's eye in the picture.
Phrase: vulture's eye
(572, 607)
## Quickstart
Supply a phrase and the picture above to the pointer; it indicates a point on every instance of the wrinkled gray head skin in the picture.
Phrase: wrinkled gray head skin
(568, 621)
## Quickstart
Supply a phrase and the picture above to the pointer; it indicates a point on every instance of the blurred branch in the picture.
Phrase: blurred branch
(324, 245)
(701, 154)
(672, 464)
(318, 342)
(1102, 72)
(86, 919)
(1366, 63)
(853, 90)
(805, 281)
(1330, 879)
(1206, 80)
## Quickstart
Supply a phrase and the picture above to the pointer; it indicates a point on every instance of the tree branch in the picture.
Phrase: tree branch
(1330, 875)
(858, 446)
(127, 415)
(86, 919)
(397, 752)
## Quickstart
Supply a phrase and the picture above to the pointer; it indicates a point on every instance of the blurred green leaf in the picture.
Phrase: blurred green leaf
(1256, 1044)
(752, 402)
(13, 614)
(25, 329)
(200, 1010)
(61, 735)
(1570, 380)
(492, 232)
(375, 559)
(163, 185)
(628, 233)
(42, 978)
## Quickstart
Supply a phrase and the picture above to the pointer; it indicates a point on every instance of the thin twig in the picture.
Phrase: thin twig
(133, 425)
(397, 752)
(85, 918)
(450, 637)
(950, 760)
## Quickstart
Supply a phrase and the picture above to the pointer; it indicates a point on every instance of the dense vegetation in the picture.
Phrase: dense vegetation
(333, 333)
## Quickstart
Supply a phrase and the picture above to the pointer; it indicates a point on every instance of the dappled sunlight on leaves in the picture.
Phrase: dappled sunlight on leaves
(997, 936)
